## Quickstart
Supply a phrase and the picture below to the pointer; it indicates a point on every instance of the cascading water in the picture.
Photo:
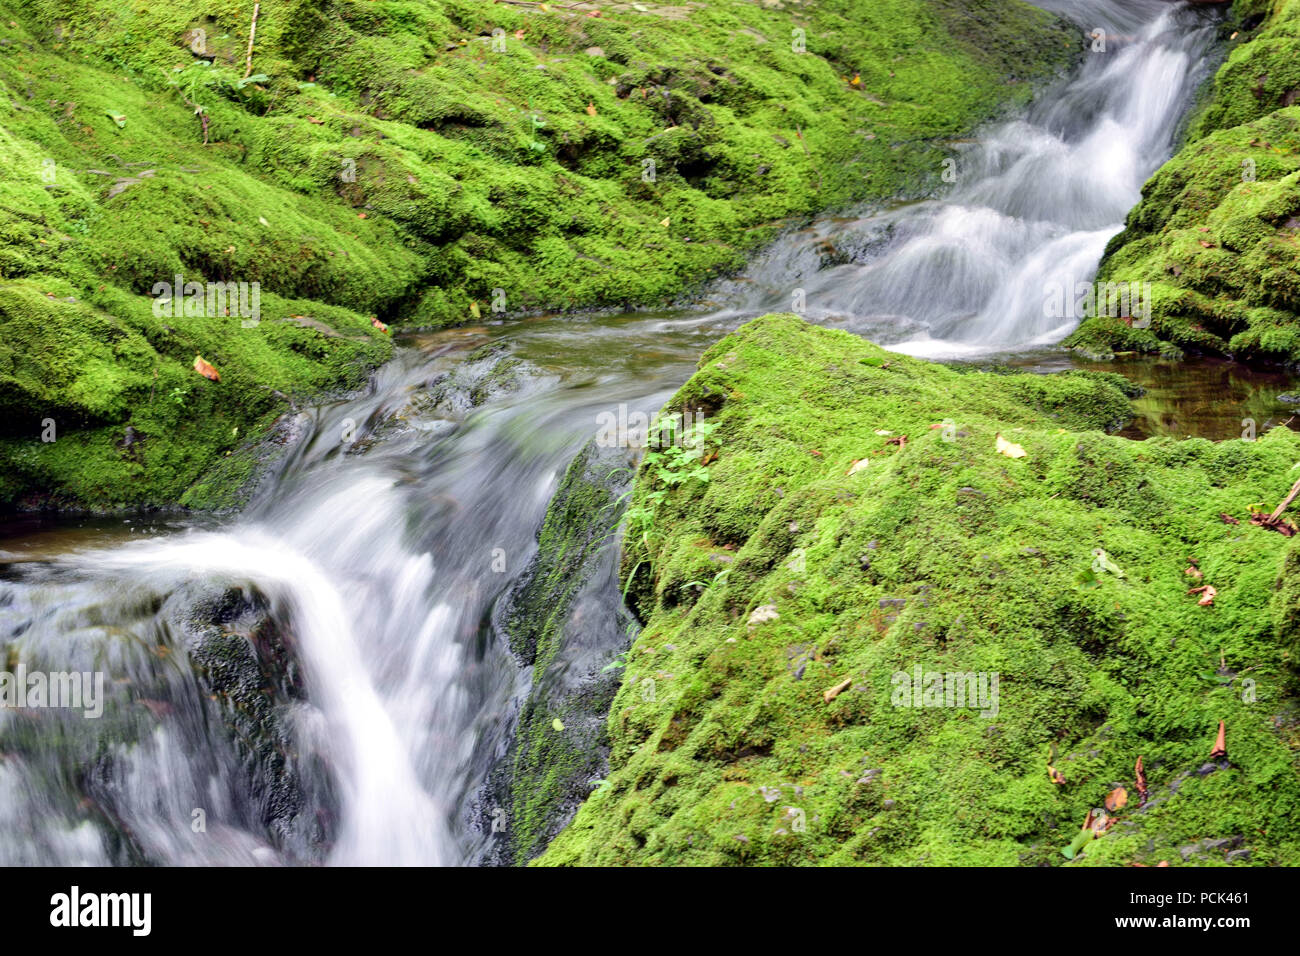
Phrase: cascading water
(370, 562)
(1033, 205)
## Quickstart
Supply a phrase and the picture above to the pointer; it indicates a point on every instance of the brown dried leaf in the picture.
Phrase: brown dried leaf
(205, 369)
(1116, 799)
(1220, 744)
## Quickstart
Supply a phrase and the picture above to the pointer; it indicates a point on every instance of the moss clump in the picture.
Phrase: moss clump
(1217, 232)
(426, 163)
(944, 554)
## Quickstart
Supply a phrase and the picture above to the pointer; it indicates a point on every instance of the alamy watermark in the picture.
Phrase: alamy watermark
(210, 299)
(1118, 300)
(629, 429)
(74, 690)
(922, 688)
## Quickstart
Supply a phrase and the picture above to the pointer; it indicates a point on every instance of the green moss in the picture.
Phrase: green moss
(385, 159)
(943, 553)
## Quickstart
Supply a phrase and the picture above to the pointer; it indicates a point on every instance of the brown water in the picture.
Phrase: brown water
(1198, 397)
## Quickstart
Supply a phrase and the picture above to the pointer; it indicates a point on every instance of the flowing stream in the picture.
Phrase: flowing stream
(374, 555)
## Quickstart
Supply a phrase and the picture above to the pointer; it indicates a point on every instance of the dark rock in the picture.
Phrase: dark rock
(564, 618)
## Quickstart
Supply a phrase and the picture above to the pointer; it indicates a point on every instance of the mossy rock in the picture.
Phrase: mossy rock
(565, 621)
(776, 737)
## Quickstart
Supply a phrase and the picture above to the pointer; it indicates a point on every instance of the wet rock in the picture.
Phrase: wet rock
(565, 619)
(1238, 856)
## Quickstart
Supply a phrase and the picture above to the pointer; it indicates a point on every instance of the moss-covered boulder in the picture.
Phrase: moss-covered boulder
(871, 523)
(204, 662)
(1217, 233)
(565, 622)
(422, 163)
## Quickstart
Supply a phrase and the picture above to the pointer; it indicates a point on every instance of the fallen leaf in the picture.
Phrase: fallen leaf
(315, 121)
(205, 369)
(1220, 744)
(474, 310)
(1229, 519)
(117, 118)
(1141, 782)
(1055, 776)
(1010, 449)
(1207, 593)
(857, 465)
(362, 215)
(835, 691)
(556, 725)
(1116, 799)
(1194, 572)
(374, 320)
(856, 81)
(591, 109)
(665, 222)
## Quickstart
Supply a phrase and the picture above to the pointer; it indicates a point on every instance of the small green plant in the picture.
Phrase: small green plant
(616, 663)
(675, 456)
(674, 462)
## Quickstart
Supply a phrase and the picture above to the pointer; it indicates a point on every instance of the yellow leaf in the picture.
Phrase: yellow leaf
(1010, 449)
(664, 222)
(830, 695)
(555, 723)
(591, 109)
(474, 310)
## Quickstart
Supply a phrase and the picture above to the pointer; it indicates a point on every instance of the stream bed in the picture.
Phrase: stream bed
(322, 678)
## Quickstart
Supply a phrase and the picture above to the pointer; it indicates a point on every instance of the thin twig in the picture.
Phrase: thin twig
(252, 31)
